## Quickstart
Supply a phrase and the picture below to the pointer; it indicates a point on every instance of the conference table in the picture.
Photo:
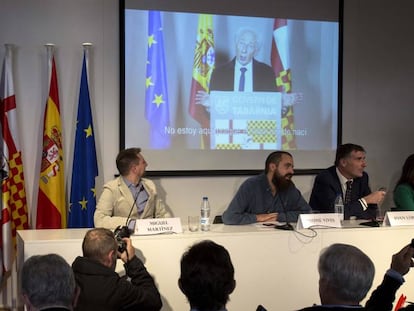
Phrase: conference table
(274, 268)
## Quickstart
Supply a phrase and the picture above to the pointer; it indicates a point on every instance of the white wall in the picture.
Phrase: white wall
(378, 70)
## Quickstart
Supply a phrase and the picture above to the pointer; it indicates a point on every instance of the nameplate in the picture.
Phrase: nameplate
(404, 218)
(325, 220)
(158, 226)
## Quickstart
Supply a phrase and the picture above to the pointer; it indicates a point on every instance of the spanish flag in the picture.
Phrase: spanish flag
(51, 210)
(203, 66)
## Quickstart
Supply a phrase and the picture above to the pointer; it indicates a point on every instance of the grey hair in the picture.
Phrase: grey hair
(347, 270)
(243, 30)
(48, 280)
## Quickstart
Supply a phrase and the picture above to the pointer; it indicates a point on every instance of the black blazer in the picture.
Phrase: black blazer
(222, 78)
(327, 187)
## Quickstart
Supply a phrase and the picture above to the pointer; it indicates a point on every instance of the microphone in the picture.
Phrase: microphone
(287, 225)
(132, 207)
(124, 231)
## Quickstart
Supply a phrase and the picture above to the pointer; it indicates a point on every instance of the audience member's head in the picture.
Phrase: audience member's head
(99, 244)
(345, 275)
(48, 281)
(207, 276)
(350, 160)
(407, 174)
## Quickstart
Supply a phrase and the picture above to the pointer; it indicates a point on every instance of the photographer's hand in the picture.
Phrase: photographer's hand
(129, 253)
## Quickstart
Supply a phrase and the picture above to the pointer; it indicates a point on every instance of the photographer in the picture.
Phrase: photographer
(101, 287)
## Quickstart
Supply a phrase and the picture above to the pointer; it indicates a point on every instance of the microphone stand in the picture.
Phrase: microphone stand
(287, 225)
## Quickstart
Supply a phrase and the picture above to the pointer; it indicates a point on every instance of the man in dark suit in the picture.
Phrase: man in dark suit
(243, 72)
(257, 76)
(346, 178)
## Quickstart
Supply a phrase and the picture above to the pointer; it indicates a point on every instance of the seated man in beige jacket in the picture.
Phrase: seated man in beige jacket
(128, 194)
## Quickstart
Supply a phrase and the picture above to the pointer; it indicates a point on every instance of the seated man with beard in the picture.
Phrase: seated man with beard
(270, 196)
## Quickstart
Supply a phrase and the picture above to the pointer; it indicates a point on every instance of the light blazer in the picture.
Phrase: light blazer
(116, 202)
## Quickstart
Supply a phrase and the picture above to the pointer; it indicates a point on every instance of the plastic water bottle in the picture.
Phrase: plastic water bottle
(339, 206)
(205, 215)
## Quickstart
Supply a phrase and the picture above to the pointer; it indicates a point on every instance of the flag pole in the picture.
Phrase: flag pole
(86, 49)
(50, 50)
(9, 49)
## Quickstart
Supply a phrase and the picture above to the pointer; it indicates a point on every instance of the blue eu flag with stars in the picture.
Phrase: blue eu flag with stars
(85, 167)
(157, 110)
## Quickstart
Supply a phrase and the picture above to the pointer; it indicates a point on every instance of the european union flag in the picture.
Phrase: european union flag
(157, 110)
(85, 167)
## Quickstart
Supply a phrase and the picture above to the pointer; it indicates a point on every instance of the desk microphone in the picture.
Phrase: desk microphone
(287, 225)
(124, 231)
(132, 207)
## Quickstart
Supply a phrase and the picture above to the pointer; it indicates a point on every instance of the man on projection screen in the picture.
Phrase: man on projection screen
(246, 74)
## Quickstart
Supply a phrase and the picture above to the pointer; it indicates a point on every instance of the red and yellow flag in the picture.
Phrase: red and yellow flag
(203, 66)
(14, 214)
(51, 203)
(281, 68)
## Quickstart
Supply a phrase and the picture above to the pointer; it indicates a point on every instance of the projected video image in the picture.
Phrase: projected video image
(217, 82)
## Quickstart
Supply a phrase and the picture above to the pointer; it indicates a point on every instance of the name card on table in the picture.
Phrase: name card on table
(404, 218)
(158, 226)
(324, 220)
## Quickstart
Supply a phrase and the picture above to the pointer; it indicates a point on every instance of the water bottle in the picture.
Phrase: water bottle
(339, 206)
(205, 215)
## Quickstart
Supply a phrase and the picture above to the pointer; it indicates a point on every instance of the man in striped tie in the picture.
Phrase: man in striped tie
(348, 179)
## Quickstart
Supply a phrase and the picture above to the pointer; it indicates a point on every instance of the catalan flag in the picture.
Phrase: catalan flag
(14, 214)
(51, 208)
(203, 66)
(85, 166)
(281, 67)
(157, 110)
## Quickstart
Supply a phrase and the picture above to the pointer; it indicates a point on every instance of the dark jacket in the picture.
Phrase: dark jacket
(222, 78)
(327, 187)
(103, 289)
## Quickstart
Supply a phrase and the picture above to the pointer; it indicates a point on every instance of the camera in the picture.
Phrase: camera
(120, 233)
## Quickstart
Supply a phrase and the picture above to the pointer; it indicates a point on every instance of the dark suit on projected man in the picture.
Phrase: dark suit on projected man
(346, 177)
(243, 73)
(262, 77)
